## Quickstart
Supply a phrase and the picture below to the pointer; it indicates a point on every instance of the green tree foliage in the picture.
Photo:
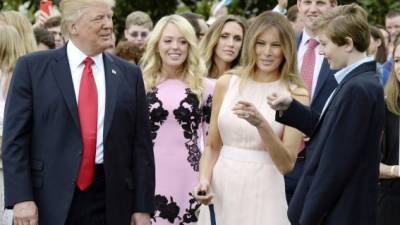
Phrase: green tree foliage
(8, 5)
(378, 9)
(158, 8)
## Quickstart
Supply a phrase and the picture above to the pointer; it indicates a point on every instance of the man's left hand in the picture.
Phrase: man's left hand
(140, 219)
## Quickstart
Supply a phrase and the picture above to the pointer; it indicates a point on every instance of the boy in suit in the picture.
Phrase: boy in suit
(339, 183)
(314, 71)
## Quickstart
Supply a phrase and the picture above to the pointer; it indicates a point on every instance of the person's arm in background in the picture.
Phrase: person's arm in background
(40, 19)
(206, 108)
(281, 7)
(388, 146)
(214, 143)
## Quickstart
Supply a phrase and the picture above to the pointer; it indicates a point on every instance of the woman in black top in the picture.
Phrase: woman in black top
(389, 198)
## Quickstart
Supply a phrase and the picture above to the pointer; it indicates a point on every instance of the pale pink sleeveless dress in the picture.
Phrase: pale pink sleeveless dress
(248, 188)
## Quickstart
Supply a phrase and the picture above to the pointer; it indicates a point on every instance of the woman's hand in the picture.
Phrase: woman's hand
(249, 112)
(202, 192)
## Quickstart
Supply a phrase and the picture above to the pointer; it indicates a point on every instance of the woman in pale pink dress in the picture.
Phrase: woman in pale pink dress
(179, 100)
(247, 153)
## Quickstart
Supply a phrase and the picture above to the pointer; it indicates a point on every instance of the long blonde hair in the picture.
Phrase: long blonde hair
(23, 27)
(193, 68)
(288, 68)
(392, 88)
(10, 50)
(211, 38)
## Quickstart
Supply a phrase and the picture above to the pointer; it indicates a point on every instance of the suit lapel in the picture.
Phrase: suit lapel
(323, 113)
(365, 67)
(63, 77)
(323, 75)
(298, 39)
(112, 74)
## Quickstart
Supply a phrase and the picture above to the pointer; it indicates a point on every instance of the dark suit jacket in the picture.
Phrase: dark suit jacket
(325, 84)
(42, 144)
(339, 183)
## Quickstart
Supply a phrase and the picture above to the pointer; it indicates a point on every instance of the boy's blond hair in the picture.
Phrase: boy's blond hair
(139, 18)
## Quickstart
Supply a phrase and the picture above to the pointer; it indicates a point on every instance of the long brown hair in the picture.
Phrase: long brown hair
(392, 88)
(288, 68)
(381, 53)
(210, 41)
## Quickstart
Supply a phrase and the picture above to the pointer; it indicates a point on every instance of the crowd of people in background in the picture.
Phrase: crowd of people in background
(288, 117)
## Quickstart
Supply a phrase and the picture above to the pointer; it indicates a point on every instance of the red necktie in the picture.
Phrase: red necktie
(307, 70)
(307, 67)
(87, 107)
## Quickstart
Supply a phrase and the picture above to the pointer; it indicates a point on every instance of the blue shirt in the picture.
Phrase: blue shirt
(386, 70)
(342, 73)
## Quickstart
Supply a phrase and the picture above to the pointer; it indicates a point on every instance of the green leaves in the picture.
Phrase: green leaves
(157, 8)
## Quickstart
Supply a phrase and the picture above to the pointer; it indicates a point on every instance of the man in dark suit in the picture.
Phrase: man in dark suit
(76, 144)
(321, 82)
(339, 183)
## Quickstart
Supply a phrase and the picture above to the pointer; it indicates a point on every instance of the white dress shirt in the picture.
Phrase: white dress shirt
(2, 103)
(75, 58)
(2, 106)
(319, 59)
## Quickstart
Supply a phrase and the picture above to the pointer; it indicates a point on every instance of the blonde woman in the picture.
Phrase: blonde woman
(23, 26)
(247, 153)
(222, 44)
(179, 99)
(389, 191)
(10, 50)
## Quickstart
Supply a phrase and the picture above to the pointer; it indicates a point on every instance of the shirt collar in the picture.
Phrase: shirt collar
(76, 56)
(342, 73)
(305, 38)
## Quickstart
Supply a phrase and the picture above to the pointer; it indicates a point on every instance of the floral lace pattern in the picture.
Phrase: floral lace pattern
(157, 113)
(188, 115)
(169, 210)
(179, 119)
